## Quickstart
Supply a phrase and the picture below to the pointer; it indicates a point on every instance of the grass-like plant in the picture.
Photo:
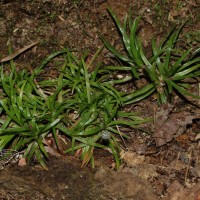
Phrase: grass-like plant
(94, 115)
(167, 69)
(29, 111)
(80, 103)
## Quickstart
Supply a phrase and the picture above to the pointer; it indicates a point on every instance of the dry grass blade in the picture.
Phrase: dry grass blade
(12, 56)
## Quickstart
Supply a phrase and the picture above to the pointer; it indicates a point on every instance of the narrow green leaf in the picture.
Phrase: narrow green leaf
(139, 94)
(181, 75)
(183, 91)
(115, 154)
(124, 35)
(114, 51)
(175, 67)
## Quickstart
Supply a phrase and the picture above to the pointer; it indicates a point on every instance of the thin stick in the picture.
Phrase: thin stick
(188, 166)
(121, 136)
(12, 56)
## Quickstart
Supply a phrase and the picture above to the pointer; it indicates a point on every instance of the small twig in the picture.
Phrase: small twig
(12, 56)
(2, 182)
(188, 166)
(199, 93)
(121, 137)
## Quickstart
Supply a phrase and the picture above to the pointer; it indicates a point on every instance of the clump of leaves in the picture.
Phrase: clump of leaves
(28, 113)
(167, 70)
(95, 115)
(80, 103)
(25, 115)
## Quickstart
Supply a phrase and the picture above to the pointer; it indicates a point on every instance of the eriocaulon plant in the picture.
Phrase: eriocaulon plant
(166, 70)
(94, 108)
(27, 112)
(94, 115)
(80, 103)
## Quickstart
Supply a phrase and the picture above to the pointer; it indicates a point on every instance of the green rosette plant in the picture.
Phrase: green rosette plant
(95, 109)
(81, 103)
(168, 68)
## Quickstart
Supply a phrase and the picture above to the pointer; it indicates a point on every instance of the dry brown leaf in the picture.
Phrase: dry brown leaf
(170, 125)
(52, 151)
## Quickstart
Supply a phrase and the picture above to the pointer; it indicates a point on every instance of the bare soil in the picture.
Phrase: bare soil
(148, 172)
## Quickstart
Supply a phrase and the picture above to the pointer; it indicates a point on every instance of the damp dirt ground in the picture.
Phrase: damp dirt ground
(171, 171)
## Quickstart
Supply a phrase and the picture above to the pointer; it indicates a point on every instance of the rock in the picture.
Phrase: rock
(124, 185)
(176, 191)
